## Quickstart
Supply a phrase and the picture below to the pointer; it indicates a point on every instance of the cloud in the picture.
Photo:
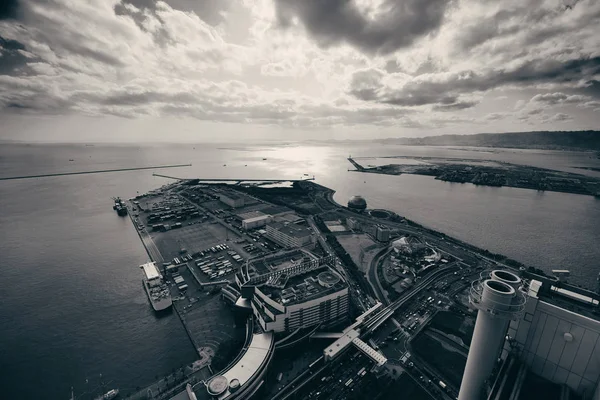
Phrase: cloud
(496, 116)
(9, 9)
(389, 27)
(211, 11)
(417, 64)
(445, 89)
(13, 56)
(559, 98)
(458, 105)
(558, 117)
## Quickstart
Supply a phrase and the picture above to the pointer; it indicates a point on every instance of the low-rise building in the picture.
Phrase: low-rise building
(286, 303)
(254, 219)
(382, 233)
(352, 224)
(290, 235)
(256, 222)
(232, 200)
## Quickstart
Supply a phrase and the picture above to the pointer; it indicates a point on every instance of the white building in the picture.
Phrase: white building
(558, 344)
(254, 219)
(552, 341)
(232, 200)
(317, 297)
(290, 235)
(382, 233)
(352, 224)
(256, 222)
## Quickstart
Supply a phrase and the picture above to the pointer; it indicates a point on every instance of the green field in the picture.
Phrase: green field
(450, 364)
(454, 324)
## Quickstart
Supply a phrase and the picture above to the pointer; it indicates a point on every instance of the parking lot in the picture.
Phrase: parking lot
(191, 238)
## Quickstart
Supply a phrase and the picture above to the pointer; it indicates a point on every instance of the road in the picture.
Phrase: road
(329, 250)
(149, 244)
(388, 311)
(372, 275)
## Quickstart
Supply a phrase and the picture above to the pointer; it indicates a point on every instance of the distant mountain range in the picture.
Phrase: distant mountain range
(557, 140)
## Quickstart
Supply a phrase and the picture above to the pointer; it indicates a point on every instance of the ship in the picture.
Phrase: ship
(120, 207)
(111, 394)
(156, 288)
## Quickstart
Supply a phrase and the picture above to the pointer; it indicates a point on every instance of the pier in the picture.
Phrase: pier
(168, 177)
(356, 165)
(253, 180)
(100, 171)
(236, 180)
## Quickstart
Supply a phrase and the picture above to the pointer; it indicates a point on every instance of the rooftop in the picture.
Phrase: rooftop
(303, 287)
(565, 298)
(251, 214)
(243, 370)
(274, 210)
(150, 270)
(232, 196)
(293, 230)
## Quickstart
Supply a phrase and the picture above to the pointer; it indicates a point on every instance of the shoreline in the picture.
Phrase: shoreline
(503, 175)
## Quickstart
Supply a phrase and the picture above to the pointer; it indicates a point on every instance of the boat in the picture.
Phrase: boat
(156, 288)
(264, 159)
(111, 394)
(120, 207)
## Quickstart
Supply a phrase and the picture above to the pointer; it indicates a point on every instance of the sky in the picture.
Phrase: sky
(250, 70)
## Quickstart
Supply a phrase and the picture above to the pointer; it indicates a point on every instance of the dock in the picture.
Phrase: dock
(100, 171)
(236, 180)
(356, 165)
(239, 180)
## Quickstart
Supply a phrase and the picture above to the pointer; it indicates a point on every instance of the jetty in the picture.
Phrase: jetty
(100, 171)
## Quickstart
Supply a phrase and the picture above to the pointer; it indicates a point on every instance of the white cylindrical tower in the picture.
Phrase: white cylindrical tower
(506, 277)
(497, 303)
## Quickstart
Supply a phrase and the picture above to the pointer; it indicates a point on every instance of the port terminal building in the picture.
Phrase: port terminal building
(303, 295)
(280, 304)
(244, 376)
(287, 303)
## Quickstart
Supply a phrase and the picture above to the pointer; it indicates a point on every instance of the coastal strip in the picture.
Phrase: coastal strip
(155, 256)
(100, 171)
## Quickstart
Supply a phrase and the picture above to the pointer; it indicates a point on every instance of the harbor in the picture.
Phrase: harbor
(213, 242)
(198, 236)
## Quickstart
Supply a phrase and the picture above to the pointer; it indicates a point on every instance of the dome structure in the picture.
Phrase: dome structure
(357, 203)
(217, 385)
(327, 279)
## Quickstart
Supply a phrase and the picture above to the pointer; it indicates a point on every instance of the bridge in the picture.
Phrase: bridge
(371, 320)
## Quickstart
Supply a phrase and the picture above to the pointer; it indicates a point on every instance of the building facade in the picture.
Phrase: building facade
(382, 233)
(353, 224)
(558, 344)
(232, 200)
(290, 235)
(318, 297)
(256, 222)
